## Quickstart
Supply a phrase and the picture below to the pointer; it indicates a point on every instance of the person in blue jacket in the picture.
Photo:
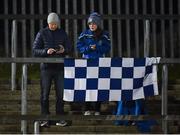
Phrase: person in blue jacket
(93, 43)
(52, 41)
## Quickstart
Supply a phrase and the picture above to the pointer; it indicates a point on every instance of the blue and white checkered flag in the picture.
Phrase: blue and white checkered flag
(110, 79)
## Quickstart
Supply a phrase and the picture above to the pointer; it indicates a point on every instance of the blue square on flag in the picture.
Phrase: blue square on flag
(126, 95)
(139, 62)
(79, 95)
(103, 95)
(92, 83)
(104, 72)
(69, 62)
(148, 69)
(93, 62)
(127, 72)
(137, 83)
(80, 72)
(148, 90)
(69, 83)
(115, 84)
(116, 62)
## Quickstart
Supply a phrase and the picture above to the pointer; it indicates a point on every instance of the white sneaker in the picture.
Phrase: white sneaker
(87, 113)
(133, 123)
(44, 124)
(61, 123)
(97, 113)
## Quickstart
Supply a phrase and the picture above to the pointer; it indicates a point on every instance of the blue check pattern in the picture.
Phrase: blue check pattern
(110, 79)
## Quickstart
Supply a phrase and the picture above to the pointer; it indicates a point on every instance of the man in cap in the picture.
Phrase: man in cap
(52, 41)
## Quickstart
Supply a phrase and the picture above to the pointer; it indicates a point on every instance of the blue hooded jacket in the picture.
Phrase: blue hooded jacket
(87, 38)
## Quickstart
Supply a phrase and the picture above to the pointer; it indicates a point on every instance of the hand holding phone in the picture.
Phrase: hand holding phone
(93, 47)
(60, 49)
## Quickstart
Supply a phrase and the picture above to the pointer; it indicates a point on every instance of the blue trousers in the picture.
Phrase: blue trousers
(47, 77)
(136, 107)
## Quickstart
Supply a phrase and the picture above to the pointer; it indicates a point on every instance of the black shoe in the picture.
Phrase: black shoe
(44, 124)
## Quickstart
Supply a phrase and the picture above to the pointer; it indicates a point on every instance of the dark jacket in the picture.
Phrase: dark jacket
(46, 39)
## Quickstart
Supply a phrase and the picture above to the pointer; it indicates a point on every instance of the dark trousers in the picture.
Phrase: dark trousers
(47, 77)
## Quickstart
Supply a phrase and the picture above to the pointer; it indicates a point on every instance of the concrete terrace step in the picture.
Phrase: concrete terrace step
(34, 108)
(109, 129)
(91, 128)
(105, 129)
(174, 87)
(73, 129)
(10, 128)
(172, 129)
(88, 126)
(177, 81)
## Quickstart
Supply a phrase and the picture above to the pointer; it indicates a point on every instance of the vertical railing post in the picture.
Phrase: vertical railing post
(36, 127)
(13, 54)
(24, 98)
(75, 24)
(146, 38)
(164, 97)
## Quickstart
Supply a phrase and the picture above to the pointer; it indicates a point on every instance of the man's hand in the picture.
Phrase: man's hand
(51, 51)
(60, 50)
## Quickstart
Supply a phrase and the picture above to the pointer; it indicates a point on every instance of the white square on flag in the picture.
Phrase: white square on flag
(91, 95)
(115, 95)
(69, 72)
(138, 93)
(105, 62)
(80, 63)
(103, 84)
(92, 72)
(80, 84)
(127, 84)
(129, 62)
(138, 72)
(68, 95)
(116, 72)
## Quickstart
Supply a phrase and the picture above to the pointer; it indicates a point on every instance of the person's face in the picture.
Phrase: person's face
(53, 26)
(92, 26)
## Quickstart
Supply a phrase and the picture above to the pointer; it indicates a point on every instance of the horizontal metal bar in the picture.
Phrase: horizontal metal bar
(61, 60)
(82, 117)
(80, 16)
(32, 60)
(170, 60)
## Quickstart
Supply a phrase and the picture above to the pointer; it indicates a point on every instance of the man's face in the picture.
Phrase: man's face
(92, 26)
(53, 26)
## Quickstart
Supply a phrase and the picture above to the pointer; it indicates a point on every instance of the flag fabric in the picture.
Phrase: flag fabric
(110, 79)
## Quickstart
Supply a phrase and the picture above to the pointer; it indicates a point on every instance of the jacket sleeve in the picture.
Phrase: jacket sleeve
(38, 46)
(105, 47)
(81, 46)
